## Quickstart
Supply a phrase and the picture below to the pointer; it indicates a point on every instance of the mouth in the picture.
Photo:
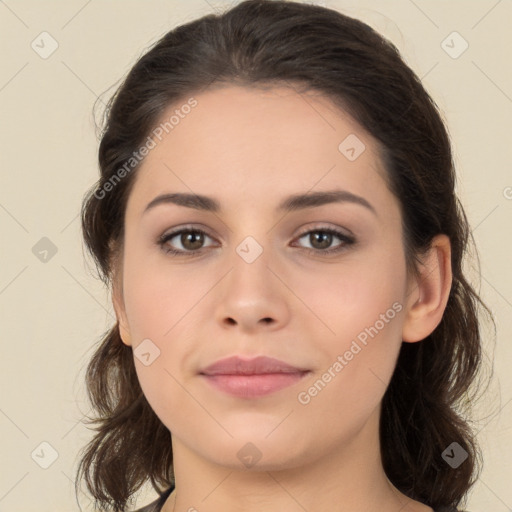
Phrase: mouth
(251, 378)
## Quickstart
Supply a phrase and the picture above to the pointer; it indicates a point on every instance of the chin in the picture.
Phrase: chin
(256, 450)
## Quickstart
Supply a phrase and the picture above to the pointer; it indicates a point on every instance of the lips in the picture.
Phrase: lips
(261, 365)
(251, 378)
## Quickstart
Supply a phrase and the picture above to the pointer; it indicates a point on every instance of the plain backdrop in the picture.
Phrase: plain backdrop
(53, 310)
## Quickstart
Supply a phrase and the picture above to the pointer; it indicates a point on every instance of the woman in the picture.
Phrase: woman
(277, 222)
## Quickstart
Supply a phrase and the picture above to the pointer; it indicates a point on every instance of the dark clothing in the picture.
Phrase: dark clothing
(156, 506)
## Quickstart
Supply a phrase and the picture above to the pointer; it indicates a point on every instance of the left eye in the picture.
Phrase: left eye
(191, 241)
(324, 237)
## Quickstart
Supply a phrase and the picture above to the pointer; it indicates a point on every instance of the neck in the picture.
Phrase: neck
(350, 477)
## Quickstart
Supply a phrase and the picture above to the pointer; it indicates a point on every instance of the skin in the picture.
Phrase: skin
(250, 149)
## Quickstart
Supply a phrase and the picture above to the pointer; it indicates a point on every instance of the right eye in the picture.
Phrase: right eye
(190, 239)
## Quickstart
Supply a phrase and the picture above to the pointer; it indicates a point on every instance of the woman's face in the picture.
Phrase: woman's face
(260, 281)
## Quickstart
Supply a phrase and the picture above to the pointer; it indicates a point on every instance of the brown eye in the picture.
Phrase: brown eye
(322, 239)
(191, 241)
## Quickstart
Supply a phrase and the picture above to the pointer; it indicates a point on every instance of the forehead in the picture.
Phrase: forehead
(244, 144)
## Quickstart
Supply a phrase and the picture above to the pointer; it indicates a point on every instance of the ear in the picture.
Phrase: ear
(428, 293)
(119, 308)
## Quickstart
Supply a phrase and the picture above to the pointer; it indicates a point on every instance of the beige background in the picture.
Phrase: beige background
(53, 312)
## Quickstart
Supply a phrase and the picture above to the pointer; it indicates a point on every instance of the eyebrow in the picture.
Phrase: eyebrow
(291, 203)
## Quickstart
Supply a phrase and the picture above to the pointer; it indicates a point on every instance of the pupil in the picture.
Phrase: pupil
(326, 241)
(196, 244)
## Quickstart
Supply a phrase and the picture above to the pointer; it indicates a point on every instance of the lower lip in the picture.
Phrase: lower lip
(253, 386)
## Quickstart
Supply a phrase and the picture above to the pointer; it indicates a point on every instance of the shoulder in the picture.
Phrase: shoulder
(156, 506)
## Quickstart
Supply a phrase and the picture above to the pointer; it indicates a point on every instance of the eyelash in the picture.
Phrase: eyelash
(347, 241)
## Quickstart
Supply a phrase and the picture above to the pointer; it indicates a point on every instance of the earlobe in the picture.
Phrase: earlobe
(118, 302)
(430, 292)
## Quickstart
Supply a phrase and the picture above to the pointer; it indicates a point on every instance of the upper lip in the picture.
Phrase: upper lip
(236, 365)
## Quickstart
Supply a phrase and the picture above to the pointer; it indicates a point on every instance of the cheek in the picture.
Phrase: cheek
(352, 296)
(340, 397)
(163, 304)
(364, 311)
(158, 296)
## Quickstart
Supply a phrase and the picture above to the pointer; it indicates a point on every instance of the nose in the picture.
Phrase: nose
(253, 297)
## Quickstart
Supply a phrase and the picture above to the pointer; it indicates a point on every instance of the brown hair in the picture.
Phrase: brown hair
(257, 43)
